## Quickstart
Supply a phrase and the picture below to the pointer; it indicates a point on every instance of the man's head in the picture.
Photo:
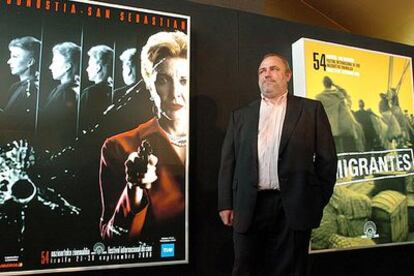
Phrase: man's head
(100, 63)
(361, 104)
(274, 75)
(164, 68)
(327, 82)
(129, 66)
(24, 55)
(65, 62)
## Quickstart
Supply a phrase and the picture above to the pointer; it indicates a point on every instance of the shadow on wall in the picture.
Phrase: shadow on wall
(209, 237)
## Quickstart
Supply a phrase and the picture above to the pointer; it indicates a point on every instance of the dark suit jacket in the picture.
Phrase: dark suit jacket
(307, 164)
(20, 112)
(95, 99)
(59, 114)
(132, 106)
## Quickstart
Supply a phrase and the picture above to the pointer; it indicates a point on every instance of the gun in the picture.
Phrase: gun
(136, 164)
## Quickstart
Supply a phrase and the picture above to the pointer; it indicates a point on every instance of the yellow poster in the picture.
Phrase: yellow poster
(368, 97)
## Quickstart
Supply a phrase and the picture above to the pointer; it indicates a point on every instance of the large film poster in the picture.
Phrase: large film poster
(368, 97)
(94, 123)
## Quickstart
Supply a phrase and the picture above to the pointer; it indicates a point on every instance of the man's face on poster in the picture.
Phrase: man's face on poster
(59, 66)
(93, 68)
(172, 86)
(20, 61)
(129, 72)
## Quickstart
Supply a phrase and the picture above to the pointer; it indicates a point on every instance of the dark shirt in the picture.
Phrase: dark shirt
(19, 114)
(384, 106)
(59, 114)
(364, 118)
(132, 106)
(95, 99)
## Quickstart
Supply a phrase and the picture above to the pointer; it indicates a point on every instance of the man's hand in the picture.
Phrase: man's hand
(226, 217)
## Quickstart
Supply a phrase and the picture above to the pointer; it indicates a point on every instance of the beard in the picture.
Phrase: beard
(270, 89)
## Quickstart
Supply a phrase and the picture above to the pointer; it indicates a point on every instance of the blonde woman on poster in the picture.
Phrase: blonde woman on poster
(142, 174)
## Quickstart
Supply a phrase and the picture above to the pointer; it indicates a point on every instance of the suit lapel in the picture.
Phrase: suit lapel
(253, 120)
(293, 112)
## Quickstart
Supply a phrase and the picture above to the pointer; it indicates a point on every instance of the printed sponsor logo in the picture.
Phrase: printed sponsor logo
(11, 265)
(370, 230)
(167, 250)
(99, 248)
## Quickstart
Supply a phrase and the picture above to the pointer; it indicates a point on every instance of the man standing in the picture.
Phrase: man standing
(347, 132)
(277, 173)
(365, 118)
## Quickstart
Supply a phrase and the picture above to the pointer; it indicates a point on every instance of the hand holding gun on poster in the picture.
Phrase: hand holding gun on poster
(130, 212)
(140, 172)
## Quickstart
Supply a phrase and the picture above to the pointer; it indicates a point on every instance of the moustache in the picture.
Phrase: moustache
(268, 81)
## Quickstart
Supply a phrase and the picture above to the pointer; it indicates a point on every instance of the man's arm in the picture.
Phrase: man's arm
(226, 173)
(325, 154)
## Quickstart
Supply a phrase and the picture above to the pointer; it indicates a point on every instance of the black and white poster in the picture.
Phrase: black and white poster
(94, 136)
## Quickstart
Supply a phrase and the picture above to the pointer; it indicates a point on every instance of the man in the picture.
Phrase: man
(96, 98)
(365, 118)
(393, 129)
(347, 132)
(277, 173)
(20, 110)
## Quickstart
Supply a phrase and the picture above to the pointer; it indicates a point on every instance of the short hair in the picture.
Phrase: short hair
(327, 81)
(103, 54)
(284, 60)
(128, 54)
(29, 44)
(159, 46)
(71, 52)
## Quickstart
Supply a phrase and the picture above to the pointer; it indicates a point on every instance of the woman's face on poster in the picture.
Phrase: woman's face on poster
(129, 72)
(20, 61)
(59, 66)
(172, 86)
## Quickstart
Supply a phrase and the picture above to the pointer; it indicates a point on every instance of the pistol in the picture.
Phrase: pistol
(136, 167)
(144, 151)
